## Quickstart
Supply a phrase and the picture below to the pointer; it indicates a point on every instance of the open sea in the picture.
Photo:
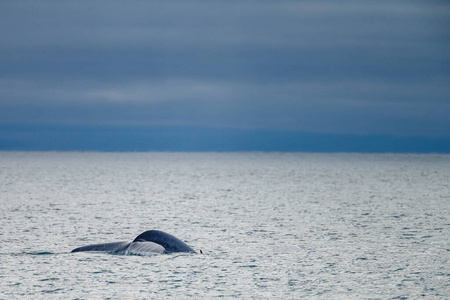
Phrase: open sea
(270, 225)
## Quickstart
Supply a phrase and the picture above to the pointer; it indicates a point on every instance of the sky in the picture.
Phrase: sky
(326, 76)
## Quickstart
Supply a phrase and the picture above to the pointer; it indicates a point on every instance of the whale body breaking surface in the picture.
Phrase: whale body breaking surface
(148, 242)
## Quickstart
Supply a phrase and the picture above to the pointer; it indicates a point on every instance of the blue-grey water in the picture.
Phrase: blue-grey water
(271, 225)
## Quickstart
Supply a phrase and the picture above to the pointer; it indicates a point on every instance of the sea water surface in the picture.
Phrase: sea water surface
(270, 225)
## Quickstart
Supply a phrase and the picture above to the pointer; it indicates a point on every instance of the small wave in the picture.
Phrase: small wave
(39, 253)
(52, 291)
(49, 279)
(30, 253)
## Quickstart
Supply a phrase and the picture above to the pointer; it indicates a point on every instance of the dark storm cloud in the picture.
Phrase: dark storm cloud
(349, 67)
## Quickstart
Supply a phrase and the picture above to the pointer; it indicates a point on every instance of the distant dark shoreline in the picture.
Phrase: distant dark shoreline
(203, 139)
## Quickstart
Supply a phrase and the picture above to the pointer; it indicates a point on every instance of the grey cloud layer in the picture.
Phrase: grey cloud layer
(353, 67)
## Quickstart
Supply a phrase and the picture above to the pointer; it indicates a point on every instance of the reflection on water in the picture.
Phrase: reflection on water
(269, 225)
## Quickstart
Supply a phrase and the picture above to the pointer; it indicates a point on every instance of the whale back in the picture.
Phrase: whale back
(168, 241)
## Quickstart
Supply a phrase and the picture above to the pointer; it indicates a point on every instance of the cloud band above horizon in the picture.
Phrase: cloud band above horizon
(357, 68)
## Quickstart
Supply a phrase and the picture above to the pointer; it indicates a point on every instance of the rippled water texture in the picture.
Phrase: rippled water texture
(270, 225)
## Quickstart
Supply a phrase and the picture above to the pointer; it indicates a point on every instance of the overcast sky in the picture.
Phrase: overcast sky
(325, 67)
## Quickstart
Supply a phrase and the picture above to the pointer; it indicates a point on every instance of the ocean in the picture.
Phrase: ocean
(270, 225)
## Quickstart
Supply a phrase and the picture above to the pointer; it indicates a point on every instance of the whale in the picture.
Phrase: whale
(147, 243)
